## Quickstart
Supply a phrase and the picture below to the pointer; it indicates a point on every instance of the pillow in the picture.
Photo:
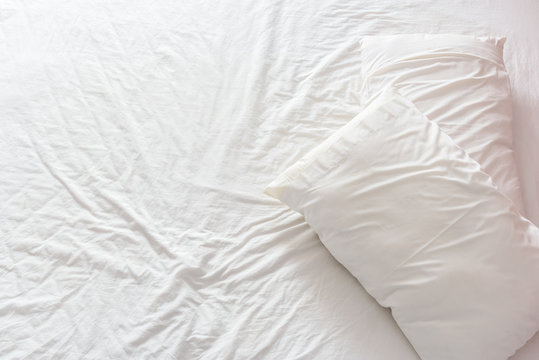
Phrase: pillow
(460, 83)
(424, 230)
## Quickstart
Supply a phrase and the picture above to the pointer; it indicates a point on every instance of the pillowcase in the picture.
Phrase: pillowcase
(424, 230)
(459, 82)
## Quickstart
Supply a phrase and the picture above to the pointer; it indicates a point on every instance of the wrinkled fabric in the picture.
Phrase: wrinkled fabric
(136, 138)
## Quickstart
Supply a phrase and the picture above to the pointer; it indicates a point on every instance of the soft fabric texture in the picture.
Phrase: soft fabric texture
(136, 139)
(424, 230)
(459, 82)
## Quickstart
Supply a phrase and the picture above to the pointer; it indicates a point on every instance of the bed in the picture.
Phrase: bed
(136, 139)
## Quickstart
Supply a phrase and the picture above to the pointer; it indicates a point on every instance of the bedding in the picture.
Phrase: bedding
(136, 138)
(460, 83)
(423, 229)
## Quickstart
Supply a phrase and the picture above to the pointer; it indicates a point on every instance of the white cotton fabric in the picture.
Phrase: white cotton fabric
(424, 230)
(460, 83)
(136, 138)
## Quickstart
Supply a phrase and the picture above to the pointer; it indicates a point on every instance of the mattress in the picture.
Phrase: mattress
(136, 140)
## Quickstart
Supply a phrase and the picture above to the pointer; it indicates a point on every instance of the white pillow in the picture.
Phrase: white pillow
(424, 230)
(459, 82)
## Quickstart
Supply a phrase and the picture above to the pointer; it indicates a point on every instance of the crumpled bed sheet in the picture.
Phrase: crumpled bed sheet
(135, 141)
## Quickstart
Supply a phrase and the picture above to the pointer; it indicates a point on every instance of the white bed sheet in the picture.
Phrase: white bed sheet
(135, 140)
